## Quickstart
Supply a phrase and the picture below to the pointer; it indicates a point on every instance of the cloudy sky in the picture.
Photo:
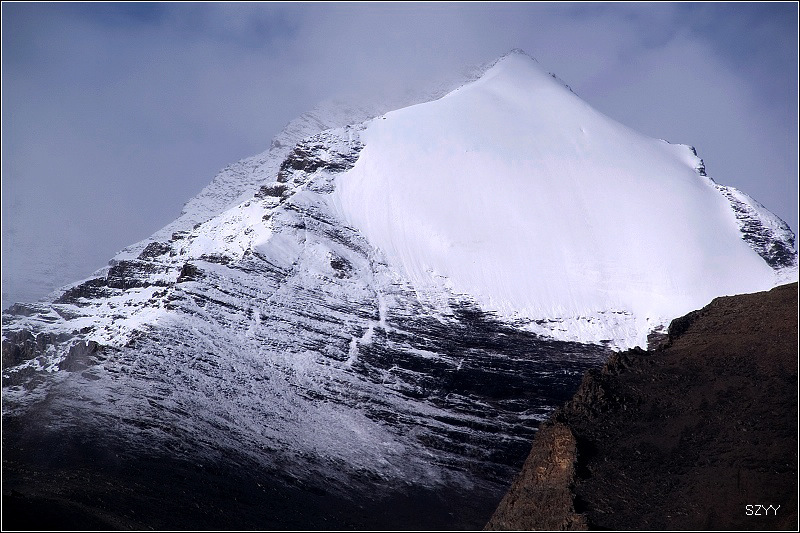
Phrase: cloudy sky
(115, 114)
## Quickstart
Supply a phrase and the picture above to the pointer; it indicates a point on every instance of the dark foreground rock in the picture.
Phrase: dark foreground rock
(700, 433)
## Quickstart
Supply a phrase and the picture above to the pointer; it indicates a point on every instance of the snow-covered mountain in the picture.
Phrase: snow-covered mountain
(392, 302)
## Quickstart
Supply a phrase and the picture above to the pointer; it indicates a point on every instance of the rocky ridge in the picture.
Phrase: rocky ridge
(684, 436)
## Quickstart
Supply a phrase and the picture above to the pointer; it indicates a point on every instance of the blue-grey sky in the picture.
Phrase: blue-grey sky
(115, 114)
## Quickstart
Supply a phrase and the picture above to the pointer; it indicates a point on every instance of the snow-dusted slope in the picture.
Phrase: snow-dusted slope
(238, 182)
(516, 192)
(388, 304)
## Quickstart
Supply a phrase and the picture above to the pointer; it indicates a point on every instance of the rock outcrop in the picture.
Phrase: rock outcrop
(700, 433)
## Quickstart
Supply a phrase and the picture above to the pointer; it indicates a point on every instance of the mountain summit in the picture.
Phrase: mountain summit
(363, 326)
(514, 191)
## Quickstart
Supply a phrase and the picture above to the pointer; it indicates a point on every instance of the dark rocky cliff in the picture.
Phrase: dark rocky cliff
(685, 436)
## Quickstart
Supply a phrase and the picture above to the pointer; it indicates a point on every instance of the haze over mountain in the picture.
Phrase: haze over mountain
(387, 305)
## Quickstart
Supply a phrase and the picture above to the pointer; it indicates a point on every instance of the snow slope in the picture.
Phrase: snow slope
(514, 191)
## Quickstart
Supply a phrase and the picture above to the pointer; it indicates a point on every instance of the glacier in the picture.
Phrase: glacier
(383, 305)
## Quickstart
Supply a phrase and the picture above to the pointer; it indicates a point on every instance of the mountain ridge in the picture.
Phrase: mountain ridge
(684, 436)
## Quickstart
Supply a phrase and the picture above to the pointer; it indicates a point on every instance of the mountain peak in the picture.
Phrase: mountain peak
(512, 190)
(518, 52)
(516, 57)
(518, 68)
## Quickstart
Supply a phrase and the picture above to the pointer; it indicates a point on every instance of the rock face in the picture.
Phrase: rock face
(541, 496)
(759, 228)
(695, 434)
